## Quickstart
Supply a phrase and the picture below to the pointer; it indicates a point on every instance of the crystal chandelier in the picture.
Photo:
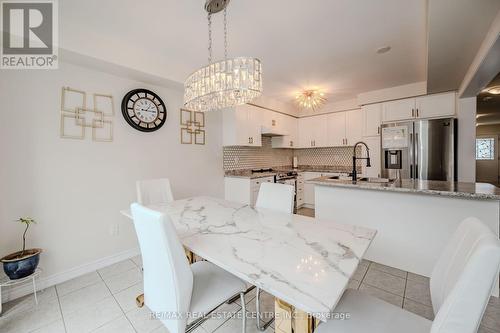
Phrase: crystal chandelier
(224, 83)
(310, 99)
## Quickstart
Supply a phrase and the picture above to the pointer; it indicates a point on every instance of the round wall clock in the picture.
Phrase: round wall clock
(144, 110)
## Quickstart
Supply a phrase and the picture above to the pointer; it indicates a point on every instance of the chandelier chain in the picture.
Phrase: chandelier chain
(225, 33)
(209, 38)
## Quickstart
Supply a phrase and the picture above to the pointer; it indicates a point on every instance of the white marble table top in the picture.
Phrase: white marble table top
(306, 262)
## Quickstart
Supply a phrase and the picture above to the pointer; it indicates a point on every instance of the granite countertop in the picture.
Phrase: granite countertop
(247, 173)
(432, 187)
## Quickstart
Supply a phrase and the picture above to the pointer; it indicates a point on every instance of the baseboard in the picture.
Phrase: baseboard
(43, 282)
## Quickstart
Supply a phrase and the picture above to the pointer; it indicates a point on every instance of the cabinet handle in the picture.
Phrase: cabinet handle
(251, 139)
(378, 129)
(314, 143)
(413, 113)
(248, 139)
(418, 114)
(291, 143)
(273, 122)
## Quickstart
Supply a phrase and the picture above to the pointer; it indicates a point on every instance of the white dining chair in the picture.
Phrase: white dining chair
(275, 196)
(461, 285)
(280, 198)
(154, 191)
(172, 287)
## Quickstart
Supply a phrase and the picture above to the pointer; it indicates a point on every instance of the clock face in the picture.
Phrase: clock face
(144, 110)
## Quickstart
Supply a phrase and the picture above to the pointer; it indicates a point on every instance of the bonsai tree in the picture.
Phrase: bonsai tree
(28, 221)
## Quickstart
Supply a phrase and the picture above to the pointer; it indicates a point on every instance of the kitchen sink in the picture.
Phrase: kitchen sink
(375, 180)
(364, 179)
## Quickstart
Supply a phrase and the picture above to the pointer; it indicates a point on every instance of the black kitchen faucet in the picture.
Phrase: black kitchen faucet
(354, 159)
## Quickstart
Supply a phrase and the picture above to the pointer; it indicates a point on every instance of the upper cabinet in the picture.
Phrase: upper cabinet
(430, 106)
(438, 105)
(336, 129)
(242, 126)
(313, 131)
(372, 119)
(287, 125)
(398, 110)
(353, 127)
(345, 128)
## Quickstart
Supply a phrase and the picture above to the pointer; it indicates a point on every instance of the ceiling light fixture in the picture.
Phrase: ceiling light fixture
(495, 90)
(310, 99)
(383, 50)
(225, 83)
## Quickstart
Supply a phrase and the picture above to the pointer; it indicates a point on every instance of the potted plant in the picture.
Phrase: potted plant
(22, 263)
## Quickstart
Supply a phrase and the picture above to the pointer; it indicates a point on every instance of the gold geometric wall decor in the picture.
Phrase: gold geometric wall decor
(192, 127)
(76, 116)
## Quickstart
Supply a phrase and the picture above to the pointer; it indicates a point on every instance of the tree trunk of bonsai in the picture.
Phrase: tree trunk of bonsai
(24, 239)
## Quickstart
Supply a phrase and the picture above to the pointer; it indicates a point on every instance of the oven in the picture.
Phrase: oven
(289, 178)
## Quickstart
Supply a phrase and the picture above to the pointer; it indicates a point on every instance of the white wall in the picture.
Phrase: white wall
(382, 95)
(466, 158)
(75, 188)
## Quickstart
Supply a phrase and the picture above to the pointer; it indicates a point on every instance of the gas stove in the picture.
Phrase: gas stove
(285, 175)
(262, 170)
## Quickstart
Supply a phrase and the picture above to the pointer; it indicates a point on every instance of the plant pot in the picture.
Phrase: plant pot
(17, 266)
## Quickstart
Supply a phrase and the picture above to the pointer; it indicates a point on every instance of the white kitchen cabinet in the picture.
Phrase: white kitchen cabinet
(255, 125)
(242, 126)
(372, 119)
(313, 132)
(274, 121)
(398, 110)
(345, 128)
(244, 190)
(336, 129)
(373, 143)
(300, 190)
(438, 105)
(305, 128)
(423, 107)
(353, 127)
(289, 126)
(309, 188)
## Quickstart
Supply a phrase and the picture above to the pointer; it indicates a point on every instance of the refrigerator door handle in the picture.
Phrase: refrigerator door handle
(411, 155)
(415, 149)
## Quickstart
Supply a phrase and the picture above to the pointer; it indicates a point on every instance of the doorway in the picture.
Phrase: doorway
(488, 133)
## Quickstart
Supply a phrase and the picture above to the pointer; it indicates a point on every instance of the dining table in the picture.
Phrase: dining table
(304, 262)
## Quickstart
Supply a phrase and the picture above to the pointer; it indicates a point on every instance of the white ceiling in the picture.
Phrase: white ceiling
(329, 44)
(456, 30)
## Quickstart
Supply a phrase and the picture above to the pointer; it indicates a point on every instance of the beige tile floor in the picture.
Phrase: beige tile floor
(104, 301)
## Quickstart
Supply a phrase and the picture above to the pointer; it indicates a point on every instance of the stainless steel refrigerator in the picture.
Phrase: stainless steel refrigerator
(420, 149)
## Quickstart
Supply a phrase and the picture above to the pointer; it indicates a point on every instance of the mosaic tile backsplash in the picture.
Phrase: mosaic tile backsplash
(238, 157)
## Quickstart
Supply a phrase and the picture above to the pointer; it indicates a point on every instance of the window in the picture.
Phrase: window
(485, 149)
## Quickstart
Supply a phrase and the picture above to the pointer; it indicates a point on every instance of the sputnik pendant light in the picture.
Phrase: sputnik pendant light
(310, 99)
(224, 83)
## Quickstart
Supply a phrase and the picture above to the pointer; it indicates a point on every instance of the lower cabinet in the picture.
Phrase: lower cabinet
(300, 190)
(244, 190)
(309, 188)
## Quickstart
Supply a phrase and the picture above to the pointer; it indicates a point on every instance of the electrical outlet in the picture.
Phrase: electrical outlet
(114, 229)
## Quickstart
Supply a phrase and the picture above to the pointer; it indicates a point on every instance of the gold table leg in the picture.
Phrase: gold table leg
(282, 317)
(288, 319)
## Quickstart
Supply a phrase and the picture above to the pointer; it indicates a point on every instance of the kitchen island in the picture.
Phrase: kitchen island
(414, 219)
